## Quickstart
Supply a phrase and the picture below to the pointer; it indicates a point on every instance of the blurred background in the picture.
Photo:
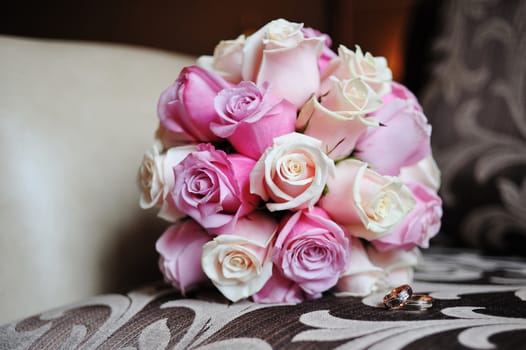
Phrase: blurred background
(195, 27)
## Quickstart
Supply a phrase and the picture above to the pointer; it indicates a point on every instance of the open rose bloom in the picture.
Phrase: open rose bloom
(288, 170)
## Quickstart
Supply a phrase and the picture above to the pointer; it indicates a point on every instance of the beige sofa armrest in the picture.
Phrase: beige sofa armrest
(75, 119)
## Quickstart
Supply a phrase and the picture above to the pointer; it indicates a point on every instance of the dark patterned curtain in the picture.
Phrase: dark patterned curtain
(476, 101)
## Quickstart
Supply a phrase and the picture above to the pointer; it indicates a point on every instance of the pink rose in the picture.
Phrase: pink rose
(419, 226)
(327, 54)
(293, 172)
(362, 277)
(238, 263)
(280, 53)
(402, 140)
(186, 108)
(249, 113)
(180, 248)
(311, 250)
(368, 204)
(279, 289)
(213, 188)
(400, 91)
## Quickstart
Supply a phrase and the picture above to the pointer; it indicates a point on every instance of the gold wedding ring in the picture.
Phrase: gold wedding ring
(397, 297)
(402, 298)
(418, 302)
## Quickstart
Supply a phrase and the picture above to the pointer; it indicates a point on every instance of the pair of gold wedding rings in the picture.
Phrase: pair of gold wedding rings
(402, 298)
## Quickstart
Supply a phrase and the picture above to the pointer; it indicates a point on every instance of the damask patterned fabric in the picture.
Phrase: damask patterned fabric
(476, 102)
(479, 303)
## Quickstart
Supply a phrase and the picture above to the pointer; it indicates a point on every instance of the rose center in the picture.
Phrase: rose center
(147, 176)
(381, 208)
(384, 206)
(279, 31)
(295, 167)
(237, 265)
(356, 94)
(356, 91)
(200, 184)
(313, 254)
(240, 106)
(238, 262)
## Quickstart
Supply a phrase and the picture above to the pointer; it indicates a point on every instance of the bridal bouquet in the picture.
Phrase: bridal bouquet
(288, 170)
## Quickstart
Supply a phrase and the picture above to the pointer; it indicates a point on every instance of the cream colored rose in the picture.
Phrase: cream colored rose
(362, 277)
(425, 172)
(373, 271)
(398, 264)
(151, 177)
(281, 33)
(351, 97)
(227, 59)
(293, 172)
(156, 178)
(368, 204)
(352, 64)
(239, 264)
(339, 119)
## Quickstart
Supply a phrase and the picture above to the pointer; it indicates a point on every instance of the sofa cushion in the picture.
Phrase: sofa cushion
(75, 119)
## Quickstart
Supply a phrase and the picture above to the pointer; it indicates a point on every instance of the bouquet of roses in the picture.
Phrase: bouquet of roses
(288, 170)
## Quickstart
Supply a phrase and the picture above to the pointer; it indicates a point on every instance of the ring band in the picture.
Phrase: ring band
(397, 297)
(402, 298)
(418, 302)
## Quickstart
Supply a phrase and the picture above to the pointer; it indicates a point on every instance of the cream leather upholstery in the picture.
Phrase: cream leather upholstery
(75, 119)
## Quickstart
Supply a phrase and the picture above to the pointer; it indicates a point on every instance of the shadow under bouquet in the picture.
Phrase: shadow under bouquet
(288, 170)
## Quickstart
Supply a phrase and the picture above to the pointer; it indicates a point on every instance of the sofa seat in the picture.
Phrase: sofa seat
(479, 303)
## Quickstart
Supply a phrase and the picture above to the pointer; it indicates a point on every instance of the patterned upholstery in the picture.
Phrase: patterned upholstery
(480, 302)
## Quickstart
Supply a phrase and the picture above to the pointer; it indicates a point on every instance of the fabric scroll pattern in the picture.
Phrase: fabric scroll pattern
(478, 302)
(476, 102)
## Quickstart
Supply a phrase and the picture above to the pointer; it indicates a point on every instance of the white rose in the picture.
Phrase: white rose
(293, 172)
(227, 59)
(398, 264)
(239, 264)
(281, 33)
(425, 172)
(362, 277)
(372, 271)
(373, 70)
(151, 177)
(368, 204)
(351, 97)
(340, 118)
(156, 178)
